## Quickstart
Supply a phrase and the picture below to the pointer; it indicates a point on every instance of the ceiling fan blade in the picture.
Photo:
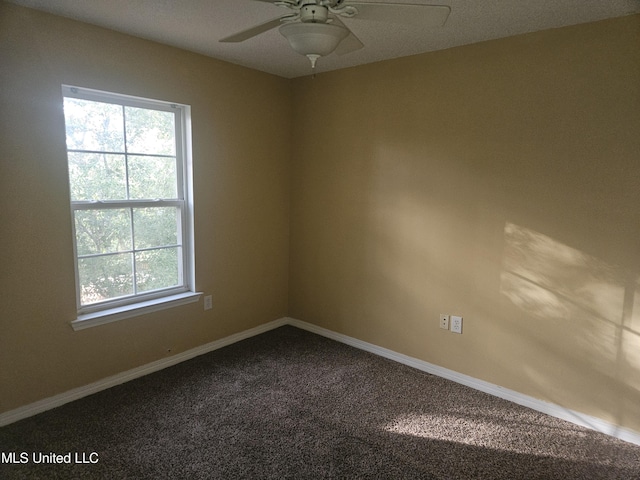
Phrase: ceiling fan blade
(350, 44)
(252, 32)
(404, 13)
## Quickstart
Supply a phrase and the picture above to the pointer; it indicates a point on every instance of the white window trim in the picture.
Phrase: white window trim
(127, 311)
(90, 316)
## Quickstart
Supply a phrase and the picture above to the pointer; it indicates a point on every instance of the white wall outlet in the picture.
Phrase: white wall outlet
(444, 321)
(456, 324)
(208, 302)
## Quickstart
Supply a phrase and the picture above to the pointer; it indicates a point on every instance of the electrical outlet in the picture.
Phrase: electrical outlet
(444, 321)
(456, 324)
(208, 302)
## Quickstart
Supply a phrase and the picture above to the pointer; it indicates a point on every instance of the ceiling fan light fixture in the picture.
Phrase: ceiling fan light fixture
(313, 39)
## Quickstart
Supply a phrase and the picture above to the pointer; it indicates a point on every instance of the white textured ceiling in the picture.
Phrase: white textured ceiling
(197, 25)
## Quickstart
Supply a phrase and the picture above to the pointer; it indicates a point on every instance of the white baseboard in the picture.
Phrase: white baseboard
(553, 410)
(75, 394)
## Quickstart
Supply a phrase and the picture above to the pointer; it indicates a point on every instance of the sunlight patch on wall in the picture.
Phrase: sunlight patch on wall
(634, 323)
(552, 280)
(593, 306)
(631, 356)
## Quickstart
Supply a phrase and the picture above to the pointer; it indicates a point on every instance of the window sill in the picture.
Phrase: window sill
(120, 313)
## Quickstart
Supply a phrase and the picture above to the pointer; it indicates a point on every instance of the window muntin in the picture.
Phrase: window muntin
(128, 185)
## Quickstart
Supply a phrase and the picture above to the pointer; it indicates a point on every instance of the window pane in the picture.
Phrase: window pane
(95, 176)
(150, 131)
(157, 269)
(156, 227)
(93, 126)
(152, 177)
(123, 155)
(103, 231)
(106, 277)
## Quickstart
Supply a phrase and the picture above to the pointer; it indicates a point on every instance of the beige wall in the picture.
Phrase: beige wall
(241, 139)
(498, 181)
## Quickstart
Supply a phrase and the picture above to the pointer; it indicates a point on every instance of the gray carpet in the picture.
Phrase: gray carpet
(291, 404)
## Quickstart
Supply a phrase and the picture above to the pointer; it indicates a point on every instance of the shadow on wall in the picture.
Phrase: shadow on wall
(593, 304)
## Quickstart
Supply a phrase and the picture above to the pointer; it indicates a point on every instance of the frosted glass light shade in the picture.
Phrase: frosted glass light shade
(313, 38)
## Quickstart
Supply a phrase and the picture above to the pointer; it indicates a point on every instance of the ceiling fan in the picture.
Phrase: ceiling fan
(314, 27)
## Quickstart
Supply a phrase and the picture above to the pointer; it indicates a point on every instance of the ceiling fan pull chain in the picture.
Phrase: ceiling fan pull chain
(313, 58)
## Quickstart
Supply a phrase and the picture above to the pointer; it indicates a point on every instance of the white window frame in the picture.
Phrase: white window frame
(141, 303)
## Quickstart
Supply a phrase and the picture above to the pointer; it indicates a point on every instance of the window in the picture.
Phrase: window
(129, 181)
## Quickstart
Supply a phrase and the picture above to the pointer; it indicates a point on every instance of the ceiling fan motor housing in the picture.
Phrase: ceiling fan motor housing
(312, 13)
